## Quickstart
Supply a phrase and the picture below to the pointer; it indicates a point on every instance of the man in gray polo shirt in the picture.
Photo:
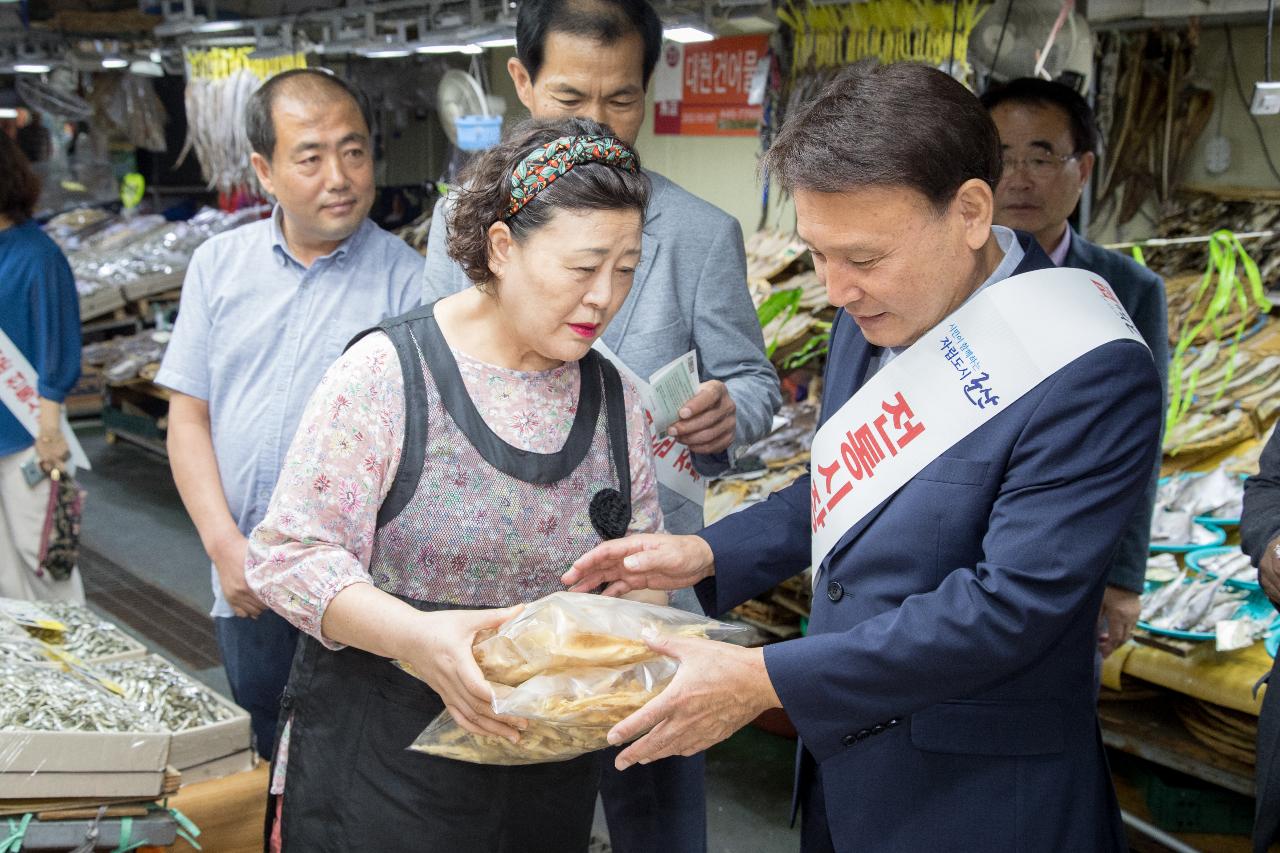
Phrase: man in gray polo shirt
(265, 309)
(594, 58)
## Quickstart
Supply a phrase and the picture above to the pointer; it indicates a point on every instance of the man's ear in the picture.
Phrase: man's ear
(263, 169)
(975, 205)
(1087, 161)
(524, 82)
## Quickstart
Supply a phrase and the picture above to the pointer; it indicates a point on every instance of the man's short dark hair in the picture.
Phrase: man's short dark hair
(260, 125)
(897, 125)
(1037, 92)
(606, 21)
(20, 188)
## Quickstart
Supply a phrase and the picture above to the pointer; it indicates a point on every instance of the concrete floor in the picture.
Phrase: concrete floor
(134, 518)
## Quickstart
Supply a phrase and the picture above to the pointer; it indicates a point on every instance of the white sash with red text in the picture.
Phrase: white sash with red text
(966, 370)
(18, 384)
(673, 462)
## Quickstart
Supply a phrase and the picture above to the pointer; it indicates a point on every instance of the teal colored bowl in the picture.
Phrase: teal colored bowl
(1194, 558)
(1220, 536)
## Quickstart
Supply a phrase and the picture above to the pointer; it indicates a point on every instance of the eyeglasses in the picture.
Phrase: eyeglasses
(1038, 165)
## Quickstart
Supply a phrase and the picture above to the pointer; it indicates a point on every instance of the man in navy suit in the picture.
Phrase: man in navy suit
(944, 695)
(1050, 140)
(1260, 539)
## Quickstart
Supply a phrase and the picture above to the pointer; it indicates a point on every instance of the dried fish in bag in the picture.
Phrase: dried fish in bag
(574, 665)
(569, 713)
(575, 629)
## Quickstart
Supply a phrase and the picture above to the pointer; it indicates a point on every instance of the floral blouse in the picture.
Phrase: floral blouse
(317, 537)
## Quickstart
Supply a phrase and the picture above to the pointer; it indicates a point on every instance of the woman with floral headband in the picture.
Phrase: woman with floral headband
(456, 460)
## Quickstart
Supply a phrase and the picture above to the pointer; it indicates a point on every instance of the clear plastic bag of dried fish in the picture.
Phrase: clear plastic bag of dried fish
(42, 698)
(573, 665)
(176, 701)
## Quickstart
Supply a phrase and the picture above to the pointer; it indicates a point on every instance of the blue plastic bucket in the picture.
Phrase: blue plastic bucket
(476, 133)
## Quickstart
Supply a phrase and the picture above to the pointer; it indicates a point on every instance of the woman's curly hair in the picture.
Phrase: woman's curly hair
(485, 191)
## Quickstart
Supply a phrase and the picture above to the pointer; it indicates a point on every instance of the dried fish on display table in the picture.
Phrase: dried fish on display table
(771, 252)
(1219, 494)
(1173, 527)
(88, 636)
(1204, 427)
(1162, 568)
(1198, 605)
(164, 249)
(1231, 565)
(1197, 214)
(41, 698)
(177, 702)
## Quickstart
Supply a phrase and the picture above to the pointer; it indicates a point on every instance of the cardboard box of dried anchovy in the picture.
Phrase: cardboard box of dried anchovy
(65, 734)
(211, 734)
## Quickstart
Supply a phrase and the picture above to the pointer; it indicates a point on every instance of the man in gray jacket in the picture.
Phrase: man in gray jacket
(594, 58)
(1049, 137)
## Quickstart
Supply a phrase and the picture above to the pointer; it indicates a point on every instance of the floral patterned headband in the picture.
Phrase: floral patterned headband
(543, 165)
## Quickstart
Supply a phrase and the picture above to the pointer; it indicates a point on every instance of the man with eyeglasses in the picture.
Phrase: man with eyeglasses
(1048, 136)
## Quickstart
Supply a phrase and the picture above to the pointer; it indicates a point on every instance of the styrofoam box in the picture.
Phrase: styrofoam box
(82, 764)
(99, 302)
(152, 284)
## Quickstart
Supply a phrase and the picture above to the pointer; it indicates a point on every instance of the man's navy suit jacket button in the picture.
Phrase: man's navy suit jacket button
(848, 740)
(835, 591)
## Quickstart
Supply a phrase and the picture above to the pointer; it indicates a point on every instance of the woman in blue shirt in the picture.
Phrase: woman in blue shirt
(40, 318)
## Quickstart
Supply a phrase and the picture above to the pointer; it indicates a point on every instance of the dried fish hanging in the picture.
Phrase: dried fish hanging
(831, 37)
(815, 41)
(1153, 117)
(219, 83)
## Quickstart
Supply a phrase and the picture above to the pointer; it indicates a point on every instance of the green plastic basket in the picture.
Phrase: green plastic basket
(1182, 804)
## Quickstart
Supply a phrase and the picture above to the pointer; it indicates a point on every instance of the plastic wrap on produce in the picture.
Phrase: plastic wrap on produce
(573, 665)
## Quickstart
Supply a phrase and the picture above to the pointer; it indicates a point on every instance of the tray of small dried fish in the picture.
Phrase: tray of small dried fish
(1227, 562)
(205, 725)
(1215, 498)
(1192, 606)
(157, 256)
